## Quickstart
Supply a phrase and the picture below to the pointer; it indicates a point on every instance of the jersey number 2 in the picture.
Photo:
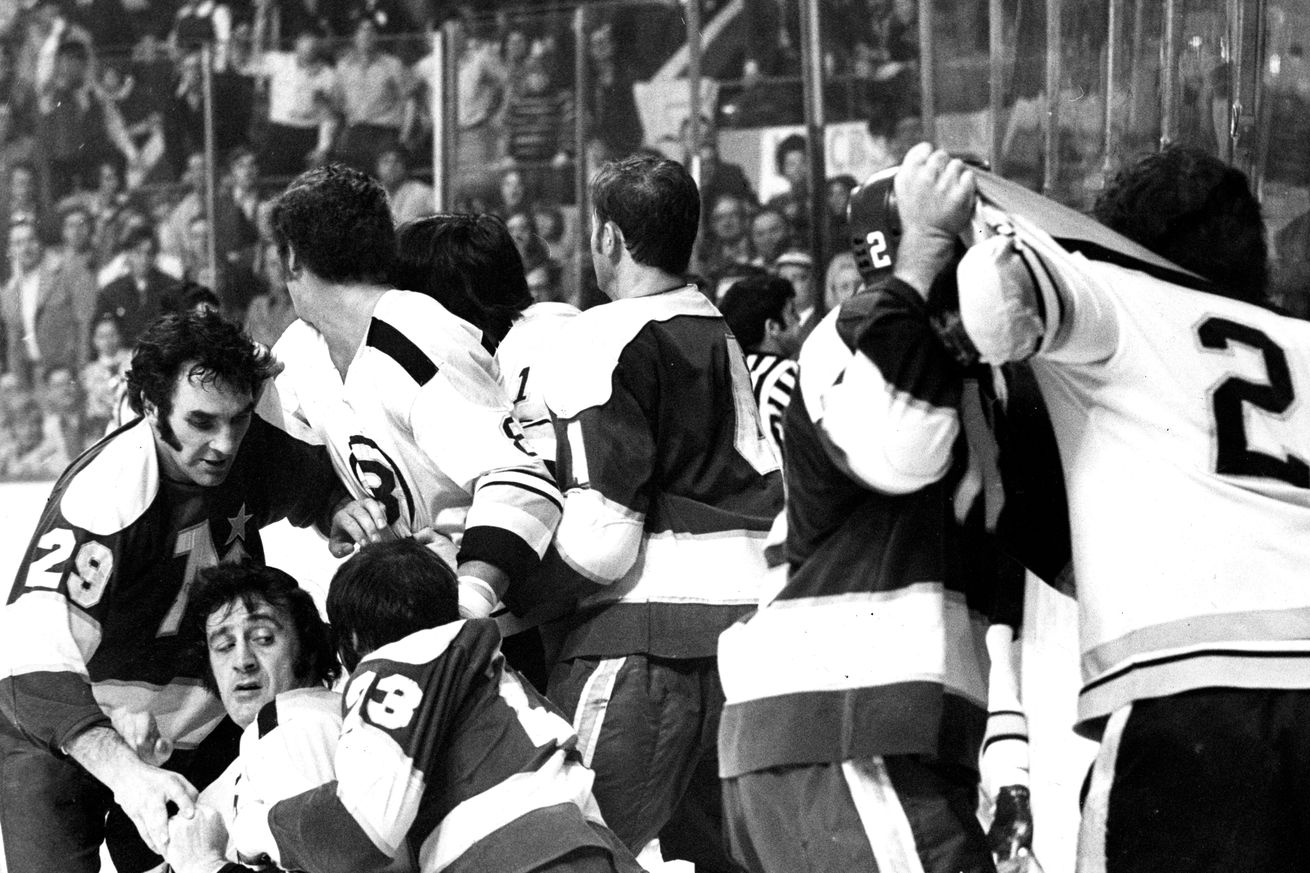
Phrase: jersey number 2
(1231, 396)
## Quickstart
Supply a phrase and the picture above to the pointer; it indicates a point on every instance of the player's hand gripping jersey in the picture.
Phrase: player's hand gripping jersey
(93, 616)
(670, 482)
(421, 424)
(443, 745)
(1185, 441)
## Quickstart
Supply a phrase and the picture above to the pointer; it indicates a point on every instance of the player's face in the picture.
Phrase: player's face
(252, 654)
(208, 422)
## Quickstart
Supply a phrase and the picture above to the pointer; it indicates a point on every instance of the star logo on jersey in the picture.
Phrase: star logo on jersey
(238, 523)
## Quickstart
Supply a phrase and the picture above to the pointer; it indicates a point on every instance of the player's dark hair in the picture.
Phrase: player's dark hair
(468, 264)
(1194, 210)
(218, 589)
(791, 143)
(338, 221)
(386, 592)
(752, 303)
(211, 348)
(192, 295)
(656, 204)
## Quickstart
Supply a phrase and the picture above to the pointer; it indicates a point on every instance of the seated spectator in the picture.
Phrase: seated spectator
(761, 312)
(539, 127)
(45, 309)
(270, 312)
(372, 87)
(102, 376)
(841, 281)
(727, 242)
(143, 293)
(523, 230)
(301, 85)
(109, 208)
(65, 412)
(837, 196)
(797, 267)
(792, 163)
(513, 191)
(394, 614)
(717, 176)
(409, 198)
(544, 282)
(770, 234)
(29, 452)
(553, 231)
(230, 279)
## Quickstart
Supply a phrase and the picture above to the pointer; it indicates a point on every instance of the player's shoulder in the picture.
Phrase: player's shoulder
(591, 345)
(540, 326)
(423, 648)
(113, 484)
(317, 704)
(421, 336)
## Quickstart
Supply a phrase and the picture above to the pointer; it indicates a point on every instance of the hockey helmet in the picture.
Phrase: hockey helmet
(875, 226)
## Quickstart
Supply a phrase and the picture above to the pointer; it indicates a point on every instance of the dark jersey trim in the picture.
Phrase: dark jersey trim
(267, 718)
(1097, 252)
(1187, 656)
(401, 349)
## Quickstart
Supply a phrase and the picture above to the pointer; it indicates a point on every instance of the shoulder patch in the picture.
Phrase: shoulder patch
(395, 345)
(115, 486)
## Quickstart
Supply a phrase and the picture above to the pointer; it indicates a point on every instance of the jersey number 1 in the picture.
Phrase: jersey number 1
(1231, 396)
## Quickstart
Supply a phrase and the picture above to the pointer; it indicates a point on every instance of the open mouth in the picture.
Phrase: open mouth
(243, 687)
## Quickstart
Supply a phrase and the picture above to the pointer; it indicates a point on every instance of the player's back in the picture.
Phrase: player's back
(532, 339)
(1185, 454)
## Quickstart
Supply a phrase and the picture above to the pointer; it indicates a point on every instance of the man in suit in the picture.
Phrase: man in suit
(47, 316)
(135, 299)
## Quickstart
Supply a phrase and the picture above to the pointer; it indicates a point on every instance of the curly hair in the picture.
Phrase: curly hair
(656, 205)
(339, 224)
(468, 264)
(751, 303)
(384, 593)
(209, 347)
(1195, 210)
(219, 588)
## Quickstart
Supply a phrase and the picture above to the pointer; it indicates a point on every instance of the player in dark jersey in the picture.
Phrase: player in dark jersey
(671, 488)
(442, 747)
(90, 631)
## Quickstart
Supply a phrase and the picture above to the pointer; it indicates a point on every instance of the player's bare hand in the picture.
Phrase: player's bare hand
(196, 844)
(934, 192)
(144, 792)
(141, 732)
(357, 523)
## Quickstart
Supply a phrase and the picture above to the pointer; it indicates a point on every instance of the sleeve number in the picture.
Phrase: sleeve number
(390, 703)
(92, 566)
(523, 386)
(1231, 396)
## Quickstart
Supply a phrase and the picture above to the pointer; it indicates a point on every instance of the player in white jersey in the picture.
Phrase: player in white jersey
(1174, 398)
(404, 393)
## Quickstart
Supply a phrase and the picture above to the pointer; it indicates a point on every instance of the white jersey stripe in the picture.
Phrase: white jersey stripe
(593, 704)
(1096, 808)
(885, 824)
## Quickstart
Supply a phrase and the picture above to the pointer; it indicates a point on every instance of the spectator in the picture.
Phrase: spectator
(174, 228)
(73, 136)
(241, 183)
(46, 319)
(21, 205)
(797, 267)
(102, 376)
(231, 282)
(372, 86)
(75, 235)
(727, 243)
(553, 232)
(387, 17)
(761, 311)
(270, 312)
(300, 88)
(539, 126)
(108, 207)
(135, 299)
(770, 234)
(544, 284)
(30, 453)
(513, 193)
(790, 160)
(201, 22)
(65, 411)
(842, 280)
(514, 54)
(480, 86)
(717, 176)
(234, 234)
(837, 195)
(610, 107)
(409, 198)
(523, 230)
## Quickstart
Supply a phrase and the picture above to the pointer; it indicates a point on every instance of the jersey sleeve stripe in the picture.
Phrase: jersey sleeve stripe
(379, 785)
(541, 486)
(395, 345)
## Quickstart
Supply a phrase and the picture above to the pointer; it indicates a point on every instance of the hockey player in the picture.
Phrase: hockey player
(442, 746)
(92, 621)
(1174, 396)
(861, 689)
(403, 392)
(671, 487)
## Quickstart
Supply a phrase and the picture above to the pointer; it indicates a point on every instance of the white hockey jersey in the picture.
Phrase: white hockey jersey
(533, 339)
(1185, 443)
(421, 423)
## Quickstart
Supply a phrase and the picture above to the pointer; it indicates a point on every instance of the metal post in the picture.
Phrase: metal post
(207, 80)
(812, 82)
(452, 34)
(996, 80)
(1112, 25)
(693, 84)
(582, 259)
(1054, 73)
(1255, 164)
(1168, 77)
(927, 65)
(437, 112)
